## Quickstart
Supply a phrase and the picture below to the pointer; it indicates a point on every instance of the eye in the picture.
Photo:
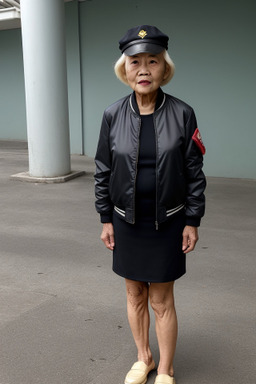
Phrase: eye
(134, 62)
(153, 61)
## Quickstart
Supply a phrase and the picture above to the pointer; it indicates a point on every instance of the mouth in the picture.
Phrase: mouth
(144, 82)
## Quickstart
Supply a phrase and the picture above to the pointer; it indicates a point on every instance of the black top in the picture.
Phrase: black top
(146, 170)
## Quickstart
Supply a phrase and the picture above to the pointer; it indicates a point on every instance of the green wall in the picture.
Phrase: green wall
(211, 43)
(213, 47)
(12, 95)
(74, 78)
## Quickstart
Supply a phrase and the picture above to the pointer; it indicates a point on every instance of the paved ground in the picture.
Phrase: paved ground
(63, 316)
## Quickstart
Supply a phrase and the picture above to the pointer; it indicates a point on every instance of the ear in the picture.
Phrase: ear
(124, 77)
(166, 71)
(123, 70)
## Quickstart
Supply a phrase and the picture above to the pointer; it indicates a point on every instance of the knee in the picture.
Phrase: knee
(161, 305)
(158, 307)
(137, 297)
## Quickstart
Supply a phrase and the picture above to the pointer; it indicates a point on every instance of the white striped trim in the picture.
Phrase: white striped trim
(120, 211)
(131, 104)
(130, 100)
(170, 212)
(174, 210)
(162, 102)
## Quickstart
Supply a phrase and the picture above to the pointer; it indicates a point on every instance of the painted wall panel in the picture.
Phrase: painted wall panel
(12, 93)
(211, 44)
(74, 77)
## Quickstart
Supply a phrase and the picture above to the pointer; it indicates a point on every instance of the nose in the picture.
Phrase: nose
(143, 71)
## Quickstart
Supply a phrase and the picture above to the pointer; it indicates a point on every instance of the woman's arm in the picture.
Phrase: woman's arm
(107, 236)
(103, 163)
(195, 178)
(190, 238)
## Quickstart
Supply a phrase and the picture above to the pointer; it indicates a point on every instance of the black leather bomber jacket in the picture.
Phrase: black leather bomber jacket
(179, 176)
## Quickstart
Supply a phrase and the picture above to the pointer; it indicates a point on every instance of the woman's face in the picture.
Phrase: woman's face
(145, 72)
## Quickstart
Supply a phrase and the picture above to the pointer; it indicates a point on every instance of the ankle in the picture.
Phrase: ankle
(146, 358)
(165, 371)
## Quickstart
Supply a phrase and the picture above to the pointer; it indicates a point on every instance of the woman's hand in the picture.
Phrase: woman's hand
(107, 236)
(190, 237)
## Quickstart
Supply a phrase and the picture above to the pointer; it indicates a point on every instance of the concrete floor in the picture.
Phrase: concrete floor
(63, 311)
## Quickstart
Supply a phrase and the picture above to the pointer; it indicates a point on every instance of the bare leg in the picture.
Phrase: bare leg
(138, 316)
(162, 302)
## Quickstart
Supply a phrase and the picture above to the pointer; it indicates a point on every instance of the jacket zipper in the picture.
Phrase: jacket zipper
(156, 221)
(136, 171)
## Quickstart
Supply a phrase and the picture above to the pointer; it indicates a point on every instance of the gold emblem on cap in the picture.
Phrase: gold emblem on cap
(142, 33)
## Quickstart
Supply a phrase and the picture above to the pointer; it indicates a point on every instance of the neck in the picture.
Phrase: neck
(146, 103)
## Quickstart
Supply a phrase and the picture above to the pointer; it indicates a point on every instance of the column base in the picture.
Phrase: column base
(25, 176)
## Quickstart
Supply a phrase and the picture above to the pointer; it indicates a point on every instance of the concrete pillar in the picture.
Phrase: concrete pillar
(44, 55)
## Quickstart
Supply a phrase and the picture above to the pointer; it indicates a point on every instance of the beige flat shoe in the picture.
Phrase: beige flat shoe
(164, 379)
(138, 373)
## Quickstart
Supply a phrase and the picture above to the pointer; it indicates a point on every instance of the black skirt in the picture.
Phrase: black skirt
(145, 254)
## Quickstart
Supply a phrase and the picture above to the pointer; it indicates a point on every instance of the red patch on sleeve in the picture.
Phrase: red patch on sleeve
(198, 140)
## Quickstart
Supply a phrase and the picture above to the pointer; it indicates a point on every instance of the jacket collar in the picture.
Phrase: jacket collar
(159, 101)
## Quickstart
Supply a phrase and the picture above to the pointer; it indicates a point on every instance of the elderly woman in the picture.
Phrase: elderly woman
(149, 193)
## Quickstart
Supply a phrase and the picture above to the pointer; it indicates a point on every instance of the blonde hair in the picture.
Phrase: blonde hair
(119, 68)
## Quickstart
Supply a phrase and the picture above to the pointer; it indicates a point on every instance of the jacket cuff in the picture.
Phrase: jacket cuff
(106, 218)
(193, 221)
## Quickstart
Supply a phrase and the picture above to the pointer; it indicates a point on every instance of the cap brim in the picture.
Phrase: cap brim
(143, 48)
